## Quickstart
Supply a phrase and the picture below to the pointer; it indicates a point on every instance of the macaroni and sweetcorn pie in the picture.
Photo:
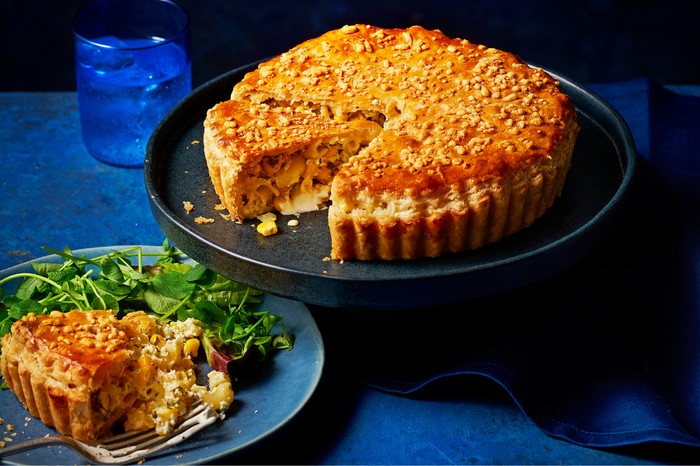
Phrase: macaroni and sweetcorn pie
(423, 144)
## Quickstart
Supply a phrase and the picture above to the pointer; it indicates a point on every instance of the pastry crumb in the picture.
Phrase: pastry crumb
(268, 217)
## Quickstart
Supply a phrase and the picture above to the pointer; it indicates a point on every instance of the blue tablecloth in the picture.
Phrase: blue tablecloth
(598, 364)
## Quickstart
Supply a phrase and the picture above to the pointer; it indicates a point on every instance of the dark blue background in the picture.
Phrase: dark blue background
(588, 41)
(457, 419)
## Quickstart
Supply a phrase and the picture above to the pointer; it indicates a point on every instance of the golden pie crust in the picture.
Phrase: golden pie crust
(424, 144)
(83, 372)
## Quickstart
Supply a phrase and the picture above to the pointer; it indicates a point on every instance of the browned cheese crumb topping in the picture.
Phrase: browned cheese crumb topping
(447, 102)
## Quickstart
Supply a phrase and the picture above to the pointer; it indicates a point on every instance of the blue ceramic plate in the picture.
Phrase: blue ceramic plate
(260, 407)
(291, 263)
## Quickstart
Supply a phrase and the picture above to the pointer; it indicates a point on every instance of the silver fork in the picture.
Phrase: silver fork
(130, 446)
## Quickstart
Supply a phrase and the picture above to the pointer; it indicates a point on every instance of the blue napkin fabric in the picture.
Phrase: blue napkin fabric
(606, 353)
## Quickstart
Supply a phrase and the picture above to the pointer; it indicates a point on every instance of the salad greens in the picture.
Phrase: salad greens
(169, 288)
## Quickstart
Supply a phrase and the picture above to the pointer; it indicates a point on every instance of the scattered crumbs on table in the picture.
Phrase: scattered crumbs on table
(8, 433)
(19, 253)
(203, 220)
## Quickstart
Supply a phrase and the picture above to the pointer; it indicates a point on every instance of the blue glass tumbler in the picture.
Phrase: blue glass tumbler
(132, 65)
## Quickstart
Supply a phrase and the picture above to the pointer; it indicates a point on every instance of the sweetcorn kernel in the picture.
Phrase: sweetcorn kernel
(191, 347)
(157, 340)
(267, 228)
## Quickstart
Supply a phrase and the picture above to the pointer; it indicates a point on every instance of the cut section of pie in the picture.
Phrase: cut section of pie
(280, 159)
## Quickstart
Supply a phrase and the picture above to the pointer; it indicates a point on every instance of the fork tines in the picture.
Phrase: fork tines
(131, 446)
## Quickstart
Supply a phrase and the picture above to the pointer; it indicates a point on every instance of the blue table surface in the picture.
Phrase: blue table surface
(54, 194)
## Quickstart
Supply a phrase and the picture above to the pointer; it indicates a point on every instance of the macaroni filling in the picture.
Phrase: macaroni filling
(165, 380)
(300, 181)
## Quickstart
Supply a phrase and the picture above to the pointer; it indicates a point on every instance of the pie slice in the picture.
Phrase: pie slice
(84, 372)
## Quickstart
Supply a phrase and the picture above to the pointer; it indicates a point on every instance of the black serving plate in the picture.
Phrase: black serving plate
(292, 263)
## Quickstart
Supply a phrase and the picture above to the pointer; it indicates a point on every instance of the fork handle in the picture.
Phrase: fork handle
(34, 443)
